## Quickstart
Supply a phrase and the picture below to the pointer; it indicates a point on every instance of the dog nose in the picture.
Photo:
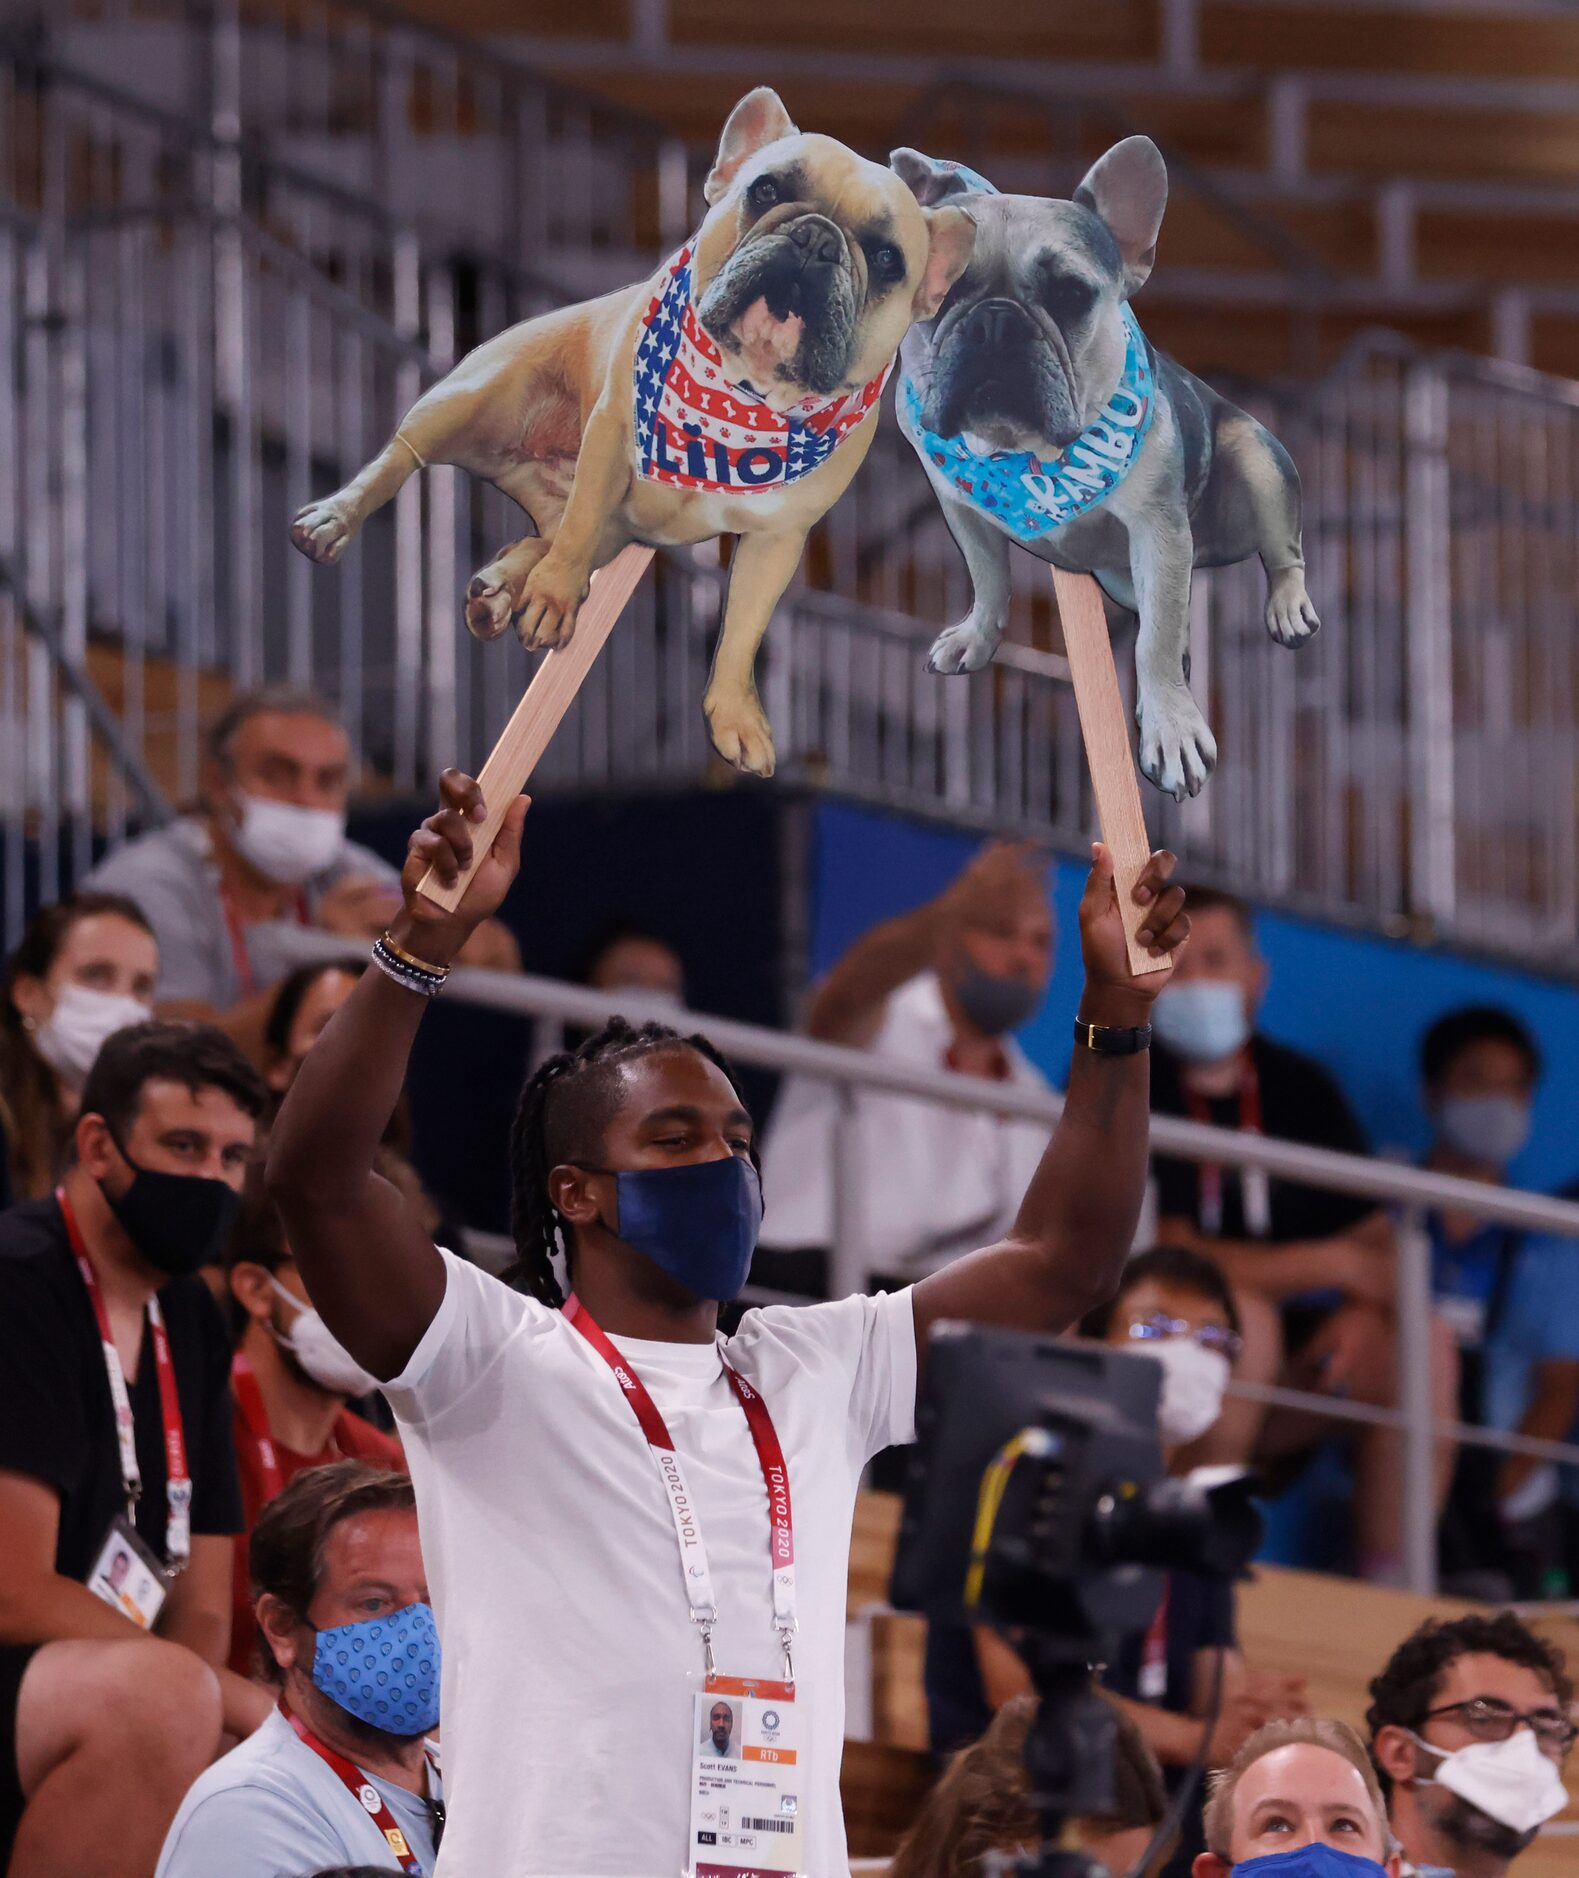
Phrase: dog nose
(819, 241)
(991, 324)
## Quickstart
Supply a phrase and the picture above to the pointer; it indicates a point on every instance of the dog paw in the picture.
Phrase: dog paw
(551, 596)
(1290, 617)
(741, 734)
(967, 647)
(1177, 749)
(323, 530)
(494, 593)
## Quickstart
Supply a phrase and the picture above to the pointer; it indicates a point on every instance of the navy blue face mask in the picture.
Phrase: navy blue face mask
(1310, 1861)
(699, 1223)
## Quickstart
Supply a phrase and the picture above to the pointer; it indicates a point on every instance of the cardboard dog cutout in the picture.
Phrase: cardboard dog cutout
(734, 392)
(1043, 417)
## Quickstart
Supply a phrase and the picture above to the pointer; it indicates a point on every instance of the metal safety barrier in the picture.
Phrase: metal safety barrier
(553, 1005)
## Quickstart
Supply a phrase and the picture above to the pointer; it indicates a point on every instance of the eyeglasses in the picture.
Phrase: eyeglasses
(1209, 1336)
(1487, 1719)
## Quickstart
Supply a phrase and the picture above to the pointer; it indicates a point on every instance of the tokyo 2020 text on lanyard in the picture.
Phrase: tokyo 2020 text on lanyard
(178, 1479)
(687, 1521)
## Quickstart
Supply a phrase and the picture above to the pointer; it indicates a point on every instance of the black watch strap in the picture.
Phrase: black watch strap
(1113, 1039)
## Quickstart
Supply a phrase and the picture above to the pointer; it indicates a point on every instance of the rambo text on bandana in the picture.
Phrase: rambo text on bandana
(697, 430)
(1030, 497)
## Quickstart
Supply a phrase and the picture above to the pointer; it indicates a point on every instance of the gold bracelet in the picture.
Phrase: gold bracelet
(425, 966)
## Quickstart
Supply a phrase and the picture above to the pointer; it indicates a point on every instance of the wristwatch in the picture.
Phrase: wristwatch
(1113, 1039)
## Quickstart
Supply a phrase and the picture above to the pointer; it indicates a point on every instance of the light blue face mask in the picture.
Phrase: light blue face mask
(1202, 1021)
(384, 1671)
(1310, 1861)
(1489, 1128)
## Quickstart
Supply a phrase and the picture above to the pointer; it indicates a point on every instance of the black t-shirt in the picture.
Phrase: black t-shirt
(57, 1422)
(1299, 1102)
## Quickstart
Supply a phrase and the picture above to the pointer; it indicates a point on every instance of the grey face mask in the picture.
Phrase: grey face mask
(995, 1004)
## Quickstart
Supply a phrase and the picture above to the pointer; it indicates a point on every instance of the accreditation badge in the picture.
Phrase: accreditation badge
(746, 1819)
(128, 1576)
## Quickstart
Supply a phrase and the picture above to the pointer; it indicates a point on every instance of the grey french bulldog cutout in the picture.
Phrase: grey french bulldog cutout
(1044, 417)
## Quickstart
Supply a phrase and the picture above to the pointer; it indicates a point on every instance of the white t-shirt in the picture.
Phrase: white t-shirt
(570, 1659)
(271, 1808)
(934, 1181)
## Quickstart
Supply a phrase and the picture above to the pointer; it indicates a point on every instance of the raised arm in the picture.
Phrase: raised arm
(368, 1262)
(1077, 1220)
(848, 1001)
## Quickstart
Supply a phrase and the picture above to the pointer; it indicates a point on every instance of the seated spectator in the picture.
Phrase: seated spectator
(1312, 1270)
(342, 1768)
(302, 1004)
(267, 851)
(291, 1382)
(109, 1475)
(939, 988)
(628, 957)
(1293, 1785)
(1174, 1307)
(1512, 1302)
(86, 968)
(982, 1804)
(1471, 1724)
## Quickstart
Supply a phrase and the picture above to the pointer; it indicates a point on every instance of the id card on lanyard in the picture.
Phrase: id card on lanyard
(115, 1571)
(746, 1794)
(1255, 1189)
(367, 1796)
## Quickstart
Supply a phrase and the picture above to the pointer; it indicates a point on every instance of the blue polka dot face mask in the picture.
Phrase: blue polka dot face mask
(385, 1671)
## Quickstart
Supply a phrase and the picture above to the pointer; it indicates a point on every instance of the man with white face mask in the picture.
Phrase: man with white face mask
(290, 1381)
(267, 852)
(1512, 1301)
(1175, 1308)
(1471, 1727)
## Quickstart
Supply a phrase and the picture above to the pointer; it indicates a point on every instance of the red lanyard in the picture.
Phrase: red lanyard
(1253, 1190)
(362, 1790)
(1152, 1685)
(249, 1399)
(246, 983)
(682, 1508)
(178, 1482)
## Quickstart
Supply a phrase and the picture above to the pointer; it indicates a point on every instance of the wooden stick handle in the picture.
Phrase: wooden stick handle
(536, 718)
(1105, 728)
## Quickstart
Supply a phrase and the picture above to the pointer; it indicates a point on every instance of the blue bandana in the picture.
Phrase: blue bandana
(1025, 495)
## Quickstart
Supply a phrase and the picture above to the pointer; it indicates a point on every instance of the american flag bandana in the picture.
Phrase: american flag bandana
(697, 430)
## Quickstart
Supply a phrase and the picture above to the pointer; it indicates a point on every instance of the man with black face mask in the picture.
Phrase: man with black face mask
(1471, 1727)
(117, 1474)
(627, 1518)
(940, 987)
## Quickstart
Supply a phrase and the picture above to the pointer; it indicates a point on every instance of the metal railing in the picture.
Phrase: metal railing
(1411, 1191)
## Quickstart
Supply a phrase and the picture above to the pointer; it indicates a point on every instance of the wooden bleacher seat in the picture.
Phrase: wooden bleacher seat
(1333, 1632)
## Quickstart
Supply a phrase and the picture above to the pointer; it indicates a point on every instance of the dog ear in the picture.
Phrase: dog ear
(951, 237)
(927, 179)
(758, 120)
(1128, 188)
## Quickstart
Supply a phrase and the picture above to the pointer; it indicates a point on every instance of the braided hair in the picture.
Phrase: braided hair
(565, 1106)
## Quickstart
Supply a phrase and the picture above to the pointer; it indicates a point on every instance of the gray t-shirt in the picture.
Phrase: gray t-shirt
(172, 875)
(272, 1808)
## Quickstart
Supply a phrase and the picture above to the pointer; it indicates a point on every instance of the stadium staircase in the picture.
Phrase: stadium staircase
(235, 243)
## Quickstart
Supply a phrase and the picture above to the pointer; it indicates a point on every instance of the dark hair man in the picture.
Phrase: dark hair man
(1471, 1726)
(342, 1768)
(114, 1442)
(1511, 1299)
(1296, 1792)
(534, 1432)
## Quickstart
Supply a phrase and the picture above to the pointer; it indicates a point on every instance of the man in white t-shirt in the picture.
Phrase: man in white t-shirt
(939, 987)
(623, 1516)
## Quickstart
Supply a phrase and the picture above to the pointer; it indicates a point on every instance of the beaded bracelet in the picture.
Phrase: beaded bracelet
(413, 974)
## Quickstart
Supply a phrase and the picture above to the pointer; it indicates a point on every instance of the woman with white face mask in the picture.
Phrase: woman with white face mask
(86, 967)
(290, 1384)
